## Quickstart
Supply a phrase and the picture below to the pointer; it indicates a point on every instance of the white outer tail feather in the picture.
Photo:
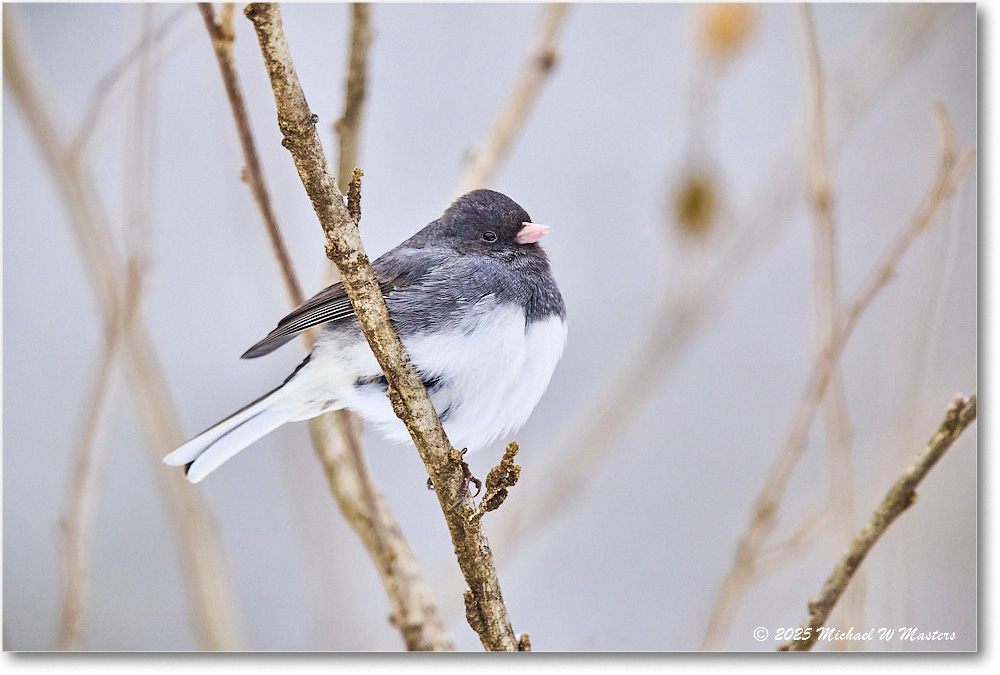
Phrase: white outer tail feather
(207, 451)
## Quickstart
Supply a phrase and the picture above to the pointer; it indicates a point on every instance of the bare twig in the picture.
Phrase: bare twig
(836, 418)
(409, 398)
(859, 83)
(769, 498)
(348, 127)
(542, 55)
(207, 585)
(961, 413)
(222, 35)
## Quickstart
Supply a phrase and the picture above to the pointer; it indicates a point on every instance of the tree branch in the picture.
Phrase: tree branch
(204, 573)
(542, 55)
(769, 498)
(409, 398)
(900, 497)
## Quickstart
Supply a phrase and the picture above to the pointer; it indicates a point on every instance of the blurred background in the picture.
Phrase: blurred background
(668, 152)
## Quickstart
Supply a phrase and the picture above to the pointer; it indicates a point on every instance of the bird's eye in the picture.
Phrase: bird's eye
(490, 236)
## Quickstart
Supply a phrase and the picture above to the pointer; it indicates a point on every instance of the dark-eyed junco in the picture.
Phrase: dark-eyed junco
(474, 302)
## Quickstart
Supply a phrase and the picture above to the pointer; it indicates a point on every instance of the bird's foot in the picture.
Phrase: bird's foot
(467, 478)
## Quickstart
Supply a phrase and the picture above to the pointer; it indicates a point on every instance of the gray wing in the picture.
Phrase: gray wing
(330, 304)
(395, 270)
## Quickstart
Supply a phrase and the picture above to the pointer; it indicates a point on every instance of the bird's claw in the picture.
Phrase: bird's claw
(467, 478)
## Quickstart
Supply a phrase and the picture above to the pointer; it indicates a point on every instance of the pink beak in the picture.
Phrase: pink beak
(530, 233)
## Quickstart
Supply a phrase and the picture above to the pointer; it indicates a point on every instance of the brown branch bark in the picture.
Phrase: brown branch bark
(336, 436)
(542, 56)
(903, 494)
(768, 500)
(836, 419)
(208, 588)
(409, 398)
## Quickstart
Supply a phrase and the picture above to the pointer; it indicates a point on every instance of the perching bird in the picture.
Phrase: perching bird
(474, 302)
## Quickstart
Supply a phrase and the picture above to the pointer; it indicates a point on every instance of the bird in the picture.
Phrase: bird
(474, 301)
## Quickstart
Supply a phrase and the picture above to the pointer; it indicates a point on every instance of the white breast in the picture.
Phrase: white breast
(493, 372)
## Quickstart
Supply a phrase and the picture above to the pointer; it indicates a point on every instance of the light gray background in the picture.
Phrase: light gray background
(636, 559)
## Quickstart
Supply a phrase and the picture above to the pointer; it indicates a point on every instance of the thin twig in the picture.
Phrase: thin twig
(542, 55)
(204, 572)
(348, 127)
(222, 35)
(409, 398)
(769, 498)
(961, 413)
(857, 86)
(836, 419)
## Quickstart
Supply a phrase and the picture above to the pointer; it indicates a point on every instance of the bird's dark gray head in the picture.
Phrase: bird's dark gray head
(486, 222)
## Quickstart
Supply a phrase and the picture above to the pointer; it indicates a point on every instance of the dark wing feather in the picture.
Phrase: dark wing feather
(330, 304)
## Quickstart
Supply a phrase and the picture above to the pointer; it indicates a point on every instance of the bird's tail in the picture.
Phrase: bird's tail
(207, 451)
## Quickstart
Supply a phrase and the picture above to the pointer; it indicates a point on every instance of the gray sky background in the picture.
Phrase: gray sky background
(635, 558)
